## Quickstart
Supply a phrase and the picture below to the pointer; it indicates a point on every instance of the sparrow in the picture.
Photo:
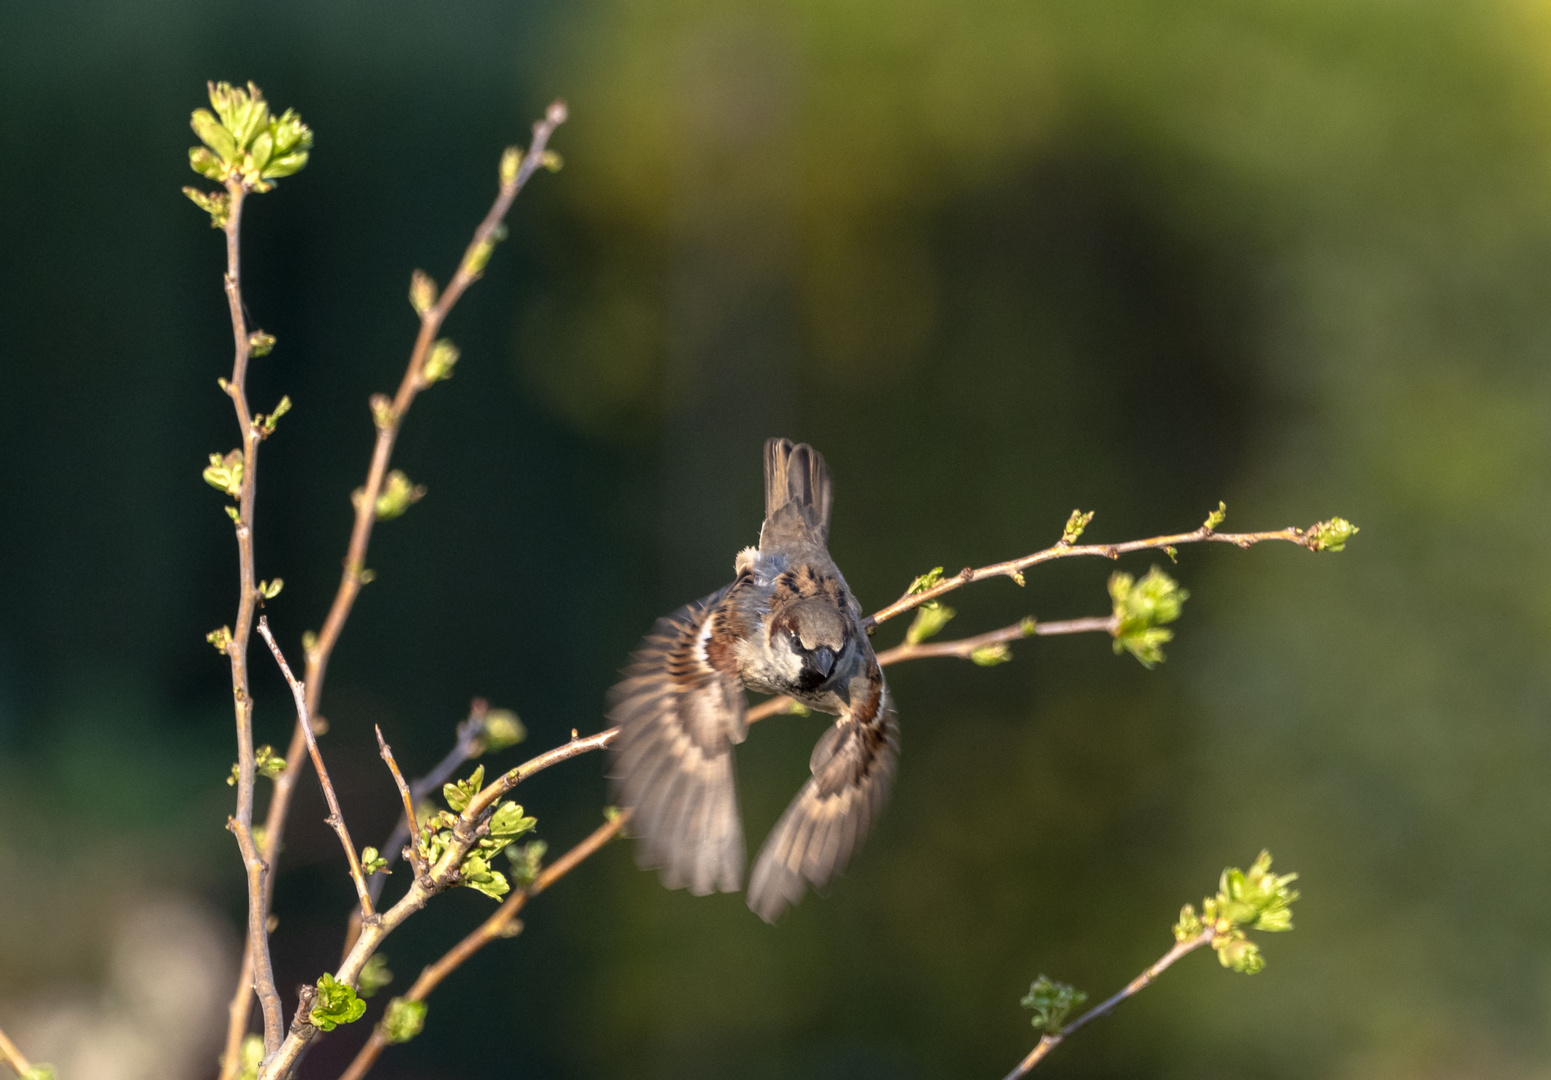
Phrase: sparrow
(786, 625)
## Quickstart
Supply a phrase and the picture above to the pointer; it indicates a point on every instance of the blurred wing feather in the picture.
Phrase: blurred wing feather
(853, 768)
(679, 715)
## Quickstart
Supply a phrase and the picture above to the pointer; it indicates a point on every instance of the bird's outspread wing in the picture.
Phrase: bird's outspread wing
(680, 710)
(853, 767)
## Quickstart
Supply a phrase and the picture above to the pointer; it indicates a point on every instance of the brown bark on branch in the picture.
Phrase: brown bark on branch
(1050, 1041)
(1013, 568)
(257, 972)
(256, 966)
(336, 818)
(499, 925)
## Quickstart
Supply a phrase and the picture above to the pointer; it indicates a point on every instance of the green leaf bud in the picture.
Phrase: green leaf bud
(1331, 535)
(502, 729)
(930, 618)
(374, 975)
(206, 164)
(925, 581)
(1075, 524)
(526, 861)
(991, 655)
(1216, 517)
(511, 162)
(260, 343)
(439, 365)
(422, 292)
(220, 638)
(214, 203)
(213, 134)
(397, 496)
(403, 1021)
(372, 862)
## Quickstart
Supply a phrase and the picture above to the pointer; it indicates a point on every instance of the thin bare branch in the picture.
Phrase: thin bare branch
(351, 579)
(412, 831)
(501, 924)
(1013, 568)
(13, 1057)
(336, 818)
(1049, 1042)
(258, 972)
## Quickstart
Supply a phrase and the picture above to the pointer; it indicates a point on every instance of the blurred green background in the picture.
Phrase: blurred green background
(996, 260)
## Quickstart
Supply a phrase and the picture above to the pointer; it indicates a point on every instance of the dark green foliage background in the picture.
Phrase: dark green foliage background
(996, 260)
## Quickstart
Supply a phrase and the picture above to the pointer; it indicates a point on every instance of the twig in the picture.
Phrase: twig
(498, 925)
(336, 818)
(962, 648)
(1050, 1041)
(258, 972)
(14, 1057)
(412, 832)
(1013, 568)
(465, 749)
(355, 559)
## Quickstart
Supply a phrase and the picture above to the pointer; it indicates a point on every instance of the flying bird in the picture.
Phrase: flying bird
(786, 625)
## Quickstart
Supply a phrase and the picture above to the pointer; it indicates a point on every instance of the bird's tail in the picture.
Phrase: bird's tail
(796, 478)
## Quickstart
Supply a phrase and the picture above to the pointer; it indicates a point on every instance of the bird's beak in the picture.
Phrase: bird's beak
(823, 660)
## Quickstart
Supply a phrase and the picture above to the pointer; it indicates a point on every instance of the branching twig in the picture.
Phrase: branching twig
(389, 422)
(464, 749)
(257, 970)
(14, 1057)
(499, 925)
(1050, 1041)
(336, 818)
(1013, 568)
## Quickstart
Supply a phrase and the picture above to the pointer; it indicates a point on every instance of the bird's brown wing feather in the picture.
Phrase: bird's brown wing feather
(680, 709)
(853, 767)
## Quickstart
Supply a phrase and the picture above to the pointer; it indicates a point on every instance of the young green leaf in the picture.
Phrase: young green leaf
(477, 875)
(1140, 607)
(1052, 1002)
(224, 473)
(527, 861)
(335, 1004)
